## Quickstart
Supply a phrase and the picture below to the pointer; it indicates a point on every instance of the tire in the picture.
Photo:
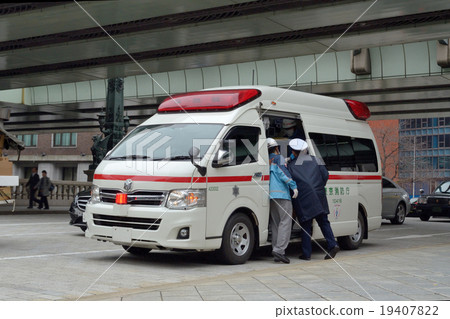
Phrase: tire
(238, 240)
(137, 251)
(83, 228)
(400, 214)
(424, 217)
(353, 242)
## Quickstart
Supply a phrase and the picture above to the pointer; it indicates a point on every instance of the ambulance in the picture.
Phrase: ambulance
(195, 176)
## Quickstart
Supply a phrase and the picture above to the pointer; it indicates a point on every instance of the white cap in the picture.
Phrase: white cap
(298, 144)
(271, 142)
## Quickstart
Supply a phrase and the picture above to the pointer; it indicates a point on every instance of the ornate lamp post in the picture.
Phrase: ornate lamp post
(113, 124)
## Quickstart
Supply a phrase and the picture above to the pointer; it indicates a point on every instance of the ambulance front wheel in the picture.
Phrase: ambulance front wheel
(238, 240)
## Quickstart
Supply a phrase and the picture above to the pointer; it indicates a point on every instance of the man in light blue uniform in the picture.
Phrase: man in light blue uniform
(280, 202)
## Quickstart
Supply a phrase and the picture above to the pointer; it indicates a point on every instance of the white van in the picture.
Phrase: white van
(195, 176)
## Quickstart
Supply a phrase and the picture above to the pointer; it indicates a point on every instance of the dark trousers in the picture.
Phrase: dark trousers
(325, 227)
(33, 199)
(43, 202)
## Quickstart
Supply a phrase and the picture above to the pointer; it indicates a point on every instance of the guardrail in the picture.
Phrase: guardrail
(64, 190)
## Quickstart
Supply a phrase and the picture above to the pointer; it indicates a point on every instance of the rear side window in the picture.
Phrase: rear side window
(387, 184)
(344, 153)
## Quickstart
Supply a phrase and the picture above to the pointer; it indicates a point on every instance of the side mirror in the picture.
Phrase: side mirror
(222, 158)
(194, 153)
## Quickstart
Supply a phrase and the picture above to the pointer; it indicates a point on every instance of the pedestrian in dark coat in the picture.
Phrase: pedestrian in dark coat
(311, 203)
(32, 187)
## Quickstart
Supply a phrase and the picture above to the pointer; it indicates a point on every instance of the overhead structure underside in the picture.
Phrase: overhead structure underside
(139, 37)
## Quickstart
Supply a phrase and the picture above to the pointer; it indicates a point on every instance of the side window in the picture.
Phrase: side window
(326, 146)
(242, 142)
(387, 184)
(365, 155)
(343, 153)
(346, 154)
(282, 129)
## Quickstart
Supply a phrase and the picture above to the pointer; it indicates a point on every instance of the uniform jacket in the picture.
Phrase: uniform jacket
(280, 178)
(311, 178)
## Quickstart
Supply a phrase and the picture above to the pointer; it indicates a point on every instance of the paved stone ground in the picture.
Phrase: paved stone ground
(376, 276)
(43, 258)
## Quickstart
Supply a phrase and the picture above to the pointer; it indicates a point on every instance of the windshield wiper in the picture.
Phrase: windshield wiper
(132, 157)
(174, 158)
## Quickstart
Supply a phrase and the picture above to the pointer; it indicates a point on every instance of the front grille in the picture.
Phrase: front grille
(127, 222)
(150, 198)
(82, 201)
(437, 201)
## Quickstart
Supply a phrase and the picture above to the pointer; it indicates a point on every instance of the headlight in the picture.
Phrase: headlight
(422, 200)
(186, 198)
(95, 194)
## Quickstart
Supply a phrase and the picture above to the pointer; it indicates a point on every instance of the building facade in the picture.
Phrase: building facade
(65, 155)
(424, 153)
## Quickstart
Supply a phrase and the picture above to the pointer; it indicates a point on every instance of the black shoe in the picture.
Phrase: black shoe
(280, 257)
(332, 252)
(39, 207)
(30, 207)
(304, 258)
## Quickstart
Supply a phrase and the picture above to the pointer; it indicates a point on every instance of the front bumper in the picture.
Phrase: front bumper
(76, 216)
(120, 225)
(433, 210)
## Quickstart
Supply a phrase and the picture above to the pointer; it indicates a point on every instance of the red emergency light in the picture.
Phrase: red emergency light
(121, 198)
(215, 100)
(358, 109)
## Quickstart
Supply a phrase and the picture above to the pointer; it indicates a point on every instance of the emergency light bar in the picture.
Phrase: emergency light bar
(215, 100)
(358, 109)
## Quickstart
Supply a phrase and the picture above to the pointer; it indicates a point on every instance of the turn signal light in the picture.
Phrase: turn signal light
(121, 198)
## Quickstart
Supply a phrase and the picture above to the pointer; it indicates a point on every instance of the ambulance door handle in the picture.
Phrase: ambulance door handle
(258, 174)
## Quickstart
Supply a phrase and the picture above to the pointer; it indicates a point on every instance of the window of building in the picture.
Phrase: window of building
(419, 123)
(69, 173)
(64, 139)
(29, 140)
(441, 141)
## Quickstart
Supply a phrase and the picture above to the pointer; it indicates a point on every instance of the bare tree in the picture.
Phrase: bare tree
(388, 147)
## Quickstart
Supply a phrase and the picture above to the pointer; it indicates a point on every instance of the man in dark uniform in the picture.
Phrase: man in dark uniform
(32, 187)
(311, 202)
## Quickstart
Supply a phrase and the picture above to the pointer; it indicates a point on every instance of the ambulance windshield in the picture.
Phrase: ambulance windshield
(165, 142)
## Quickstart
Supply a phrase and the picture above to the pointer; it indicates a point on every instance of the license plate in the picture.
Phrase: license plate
(436, 209)
(122, 235)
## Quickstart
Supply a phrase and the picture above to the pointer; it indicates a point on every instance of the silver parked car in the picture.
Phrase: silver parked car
(395, 202)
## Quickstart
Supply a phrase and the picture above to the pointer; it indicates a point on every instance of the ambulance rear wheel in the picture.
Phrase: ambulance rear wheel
(352, 242)
(238, 240)
(137, 251)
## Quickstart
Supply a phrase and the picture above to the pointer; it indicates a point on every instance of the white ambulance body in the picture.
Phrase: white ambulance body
(148, 193)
